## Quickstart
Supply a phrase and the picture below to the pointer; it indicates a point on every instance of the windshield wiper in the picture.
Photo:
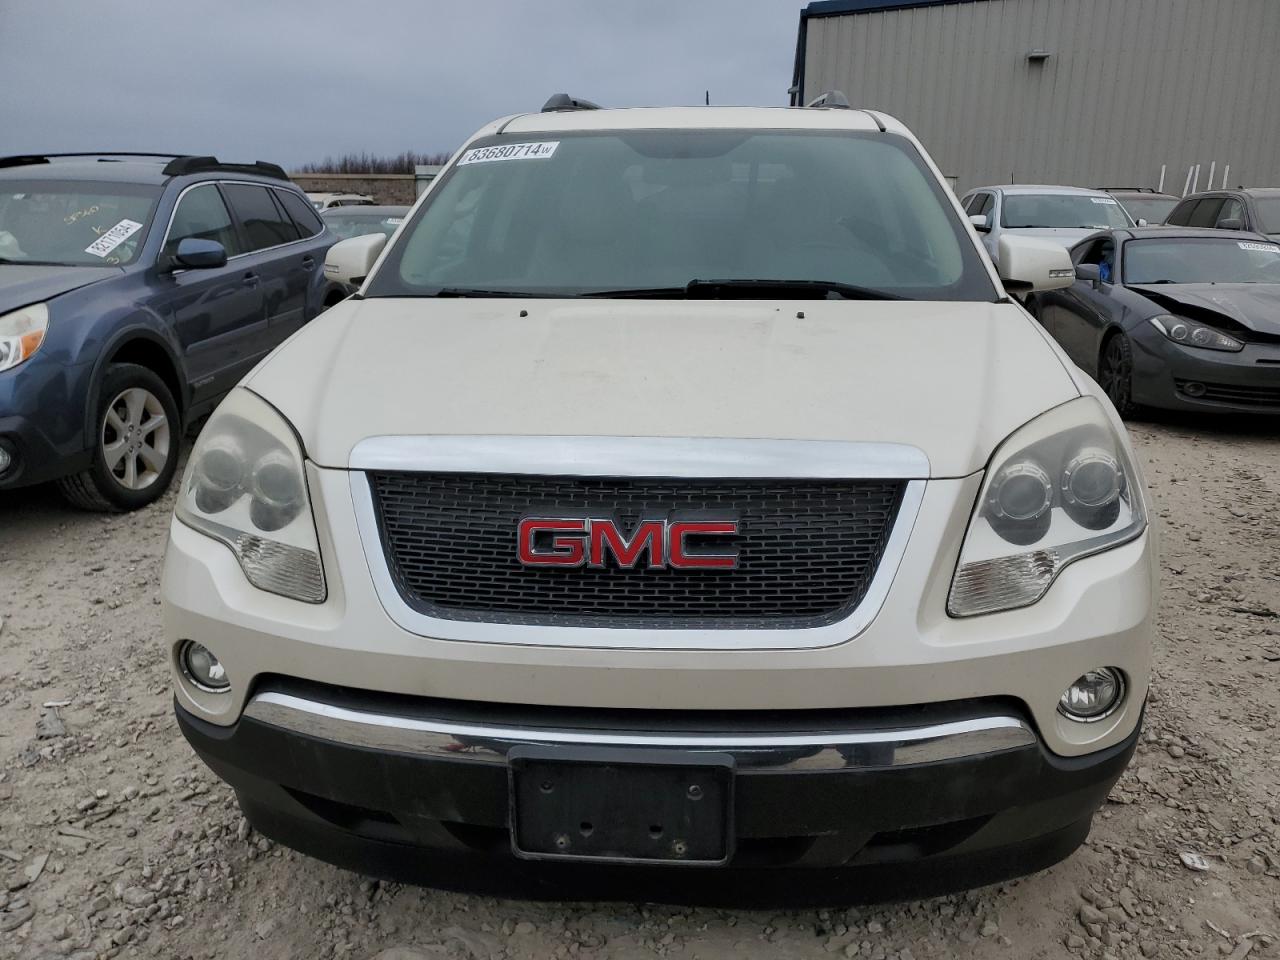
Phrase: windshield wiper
(477, 292)
(755, 289)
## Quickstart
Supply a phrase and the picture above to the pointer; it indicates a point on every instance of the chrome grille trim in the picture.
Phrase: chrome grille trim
(634, 460)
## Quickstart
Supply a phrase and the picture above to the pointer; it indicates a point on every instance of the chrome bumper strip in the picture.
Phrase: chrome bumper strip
(819, 750)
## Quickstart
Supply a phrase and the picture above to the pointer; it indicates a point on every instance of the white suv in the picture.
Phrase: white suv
(681, 488)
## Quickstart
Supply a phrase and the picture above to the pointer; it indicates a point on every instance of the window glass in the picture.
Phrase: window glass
(356, 222)
(73, 223)
(264, 223)
(202, 214)
(1268, 214)
(988, 201)
(1206, 212)
(1231, 210)
(1201, 260)
(1150, 209)
(1181, 214)
(1072, 211)
(301, 211)
(655, 209)
(973, 204)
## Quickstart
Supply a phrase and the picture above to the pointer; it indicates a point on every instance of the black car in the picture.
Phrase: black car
(136, 290)
(1174, 318)
(1256, 209)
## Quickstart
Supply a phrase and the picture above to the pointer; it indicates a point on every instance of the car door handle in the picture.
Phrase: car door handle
(308, 261)
(250, 280)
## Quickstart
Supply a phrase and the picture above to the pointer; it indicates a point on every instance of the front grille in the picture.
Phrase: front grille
(807, 549)
(1262, 397)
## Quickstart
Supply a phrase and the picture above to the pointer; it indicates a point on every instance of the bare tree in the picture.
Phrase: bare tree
(367, 163)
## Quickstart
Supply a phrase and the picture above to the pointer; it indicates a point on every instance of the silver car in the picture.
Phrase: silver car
(1065, 214)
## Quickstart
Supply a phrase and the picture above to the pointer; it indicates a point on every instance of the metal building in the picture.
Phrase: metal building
(1082, 92)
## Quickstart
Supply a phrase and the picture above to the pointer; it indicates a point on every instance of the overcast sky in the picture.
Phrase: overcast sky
(292, 81)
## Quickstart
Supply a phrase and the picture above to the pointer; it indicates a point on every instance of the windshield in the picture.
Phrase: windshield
(1268, 213)
(345, 225)
(73, 223)
(1150, 209)
(1207, 260)
(1062, 210)
(640, 211)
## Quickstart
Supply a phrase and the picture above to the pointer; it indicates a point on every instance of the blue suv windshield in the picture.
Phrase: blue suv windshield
(73, 223)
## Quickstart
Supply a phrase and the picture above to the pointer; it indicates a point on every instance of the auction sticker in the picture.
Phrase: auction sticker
(1259, 247)
(1106, 200)
(117, 235)
(541, 150)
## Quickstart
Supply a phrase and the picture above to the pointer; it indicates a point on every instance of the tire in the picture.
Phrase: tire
(1115, 374)
(137, 433)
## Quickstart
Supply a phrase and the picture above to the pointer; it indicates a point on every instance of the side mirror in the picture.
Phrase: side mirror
(196, 254)
(349, 261)
(981, 222)
(1231, 223)
(1088, 271)
(1141, 222)
(1033, 264)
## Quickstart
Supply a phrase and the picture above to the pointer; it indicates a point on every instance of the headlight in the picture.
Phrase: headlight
(1188, 333)
(21, 334)
(246, 486)
(1060, 488)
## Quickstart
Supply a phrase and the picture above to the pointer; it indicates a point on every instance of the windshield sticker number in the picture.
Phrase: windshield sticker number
(117, 235)
(1258, 247)
(1106, 200)
(542, 150)
(393, 221)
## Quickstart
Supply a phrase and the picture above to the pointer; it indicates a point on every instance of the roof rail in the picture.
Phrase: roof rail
(22, 160)
(562, 101)
(1127, 189)
(179, 166)
(831, 98)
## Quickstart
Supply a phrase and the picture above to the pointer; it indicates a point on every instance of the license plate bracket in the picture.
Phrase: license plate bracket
(621, 805)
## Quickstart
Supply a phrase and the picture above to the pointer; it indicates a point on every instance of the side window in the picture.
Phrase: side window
(265, 223)
(1206, 212)
(972, 204)
(1101, 253)
(202, 214)
(303, 213)
(988, 201)
(1181, 213)
(1231, 210)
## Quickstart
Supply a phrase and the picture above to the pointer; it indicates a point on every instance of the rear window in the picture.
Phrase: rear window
(74, 223)
(584, 214)
(1150, 209)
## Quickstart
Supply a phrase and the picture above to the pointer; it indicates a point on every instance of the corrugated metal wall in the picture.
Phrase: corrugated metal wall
(1129, 85)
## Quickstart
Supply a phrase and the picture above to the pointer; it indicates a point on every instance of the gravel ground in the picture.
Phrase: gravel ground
(115, 841)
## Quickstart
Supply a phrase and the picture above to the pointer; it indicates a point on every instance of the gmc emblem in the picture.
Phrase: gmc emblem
(560, 542)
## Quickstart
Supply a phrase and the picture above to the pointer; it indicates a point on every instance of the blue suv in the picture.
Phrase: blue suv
(135, 291)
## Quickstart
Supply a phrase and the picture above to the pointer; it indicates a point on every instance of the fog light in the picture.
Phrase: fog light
(1093, 696)
(202, 668)
(6, 458)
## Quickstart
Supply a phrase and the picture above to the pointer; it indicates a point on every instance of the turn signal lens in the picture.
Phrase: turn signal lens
(21, 333)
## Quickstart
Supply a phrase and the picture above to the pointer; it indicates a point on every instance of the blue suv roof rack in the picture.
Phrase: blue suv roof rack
(562, 101)
(179, 166)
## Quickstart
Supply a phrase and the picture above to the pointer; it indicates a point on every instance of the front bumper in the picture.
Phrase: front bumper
(879, 804)
(1172, 377)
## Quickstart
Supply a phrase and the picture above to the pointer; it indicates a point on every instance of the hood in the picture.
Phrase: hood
(953, 379)
(1067, 236)
(1255, 306)
(21, 285)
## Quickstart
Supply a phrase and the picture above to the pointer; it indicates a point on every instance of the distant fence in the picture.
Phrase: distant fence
(391, 188)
